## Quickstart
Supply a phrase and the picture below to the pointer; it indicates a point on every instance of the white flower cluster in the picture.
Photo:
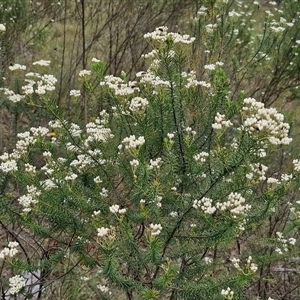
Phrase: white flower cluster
(281, 25)
(236, 262)
(96, 131)
(44, 63)
(211, 27)
(155, 229)
(9, 251)
(149, 77)
(189, 130)
(49, 184)
(174, 214)
(161, 34)
(150, 54)
(210, 67)
(134, 163)
(202, 10)
(75, 93)
(102, 231)
(17, 67)
(9, 165)
(9, 160)
(236, 205)
(296, 163)
(138, 104)
(116, 209)
(75, 130)
(47, 83)
(2, 28)
(208, 260)
(221, 122)
(228, 293)
(204, 84)
(39, 131)
(71, 176)
(202, 156)
(192, 80)
(234, 13)
(104, 193)
(205, 204)
(132, 142)
(96, 60)
(56, 124)
(24, 141)
(84, 73)
(155, 163)
(30, 168)
(118, 85)
(48, 168)
(281, 239)
(16, 283)
(261, 153)
(11, 95)
(286, 177)
(157, 200)
(103, 288)
(30, 198)
(82, 161)
(97, 179)
(258, 172)
(267, 120)
(252, 267)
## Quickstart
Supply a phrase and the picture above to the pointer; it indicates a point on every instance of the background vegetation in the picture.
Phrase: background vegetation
(242, 50)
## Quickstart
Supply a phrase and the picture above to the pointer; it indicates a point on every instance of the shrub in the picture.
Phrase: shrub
(173, 190)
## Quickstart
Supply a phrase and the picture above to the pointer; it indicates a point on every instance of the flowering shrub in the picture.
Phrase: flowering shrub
(165, 193)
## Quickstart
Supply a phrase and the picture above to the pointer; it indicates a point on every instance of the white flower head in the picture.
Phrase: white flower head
(102, 231)
(2, 28)
(228, 293)
(17, 67)
(75, 93)
(84, 73)
(210, 67)
(16, 283)
(138, 104)
(161, 34)
(95, 60)
(42, 62)
(170, 135)
(10, 250)
(155, 229)
(114, 208)
(134, 163)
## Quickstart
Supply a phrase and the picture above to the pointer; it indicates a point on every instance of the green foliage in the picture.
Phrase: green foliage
(178, 185)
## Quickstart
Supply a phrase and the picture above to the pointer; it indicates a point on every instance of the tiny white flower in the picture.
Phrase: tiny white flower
(96, 213)
(103, 288)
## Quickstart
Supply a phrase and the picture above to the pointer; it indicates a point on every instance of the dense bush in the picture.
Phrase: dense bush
(174, 184)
